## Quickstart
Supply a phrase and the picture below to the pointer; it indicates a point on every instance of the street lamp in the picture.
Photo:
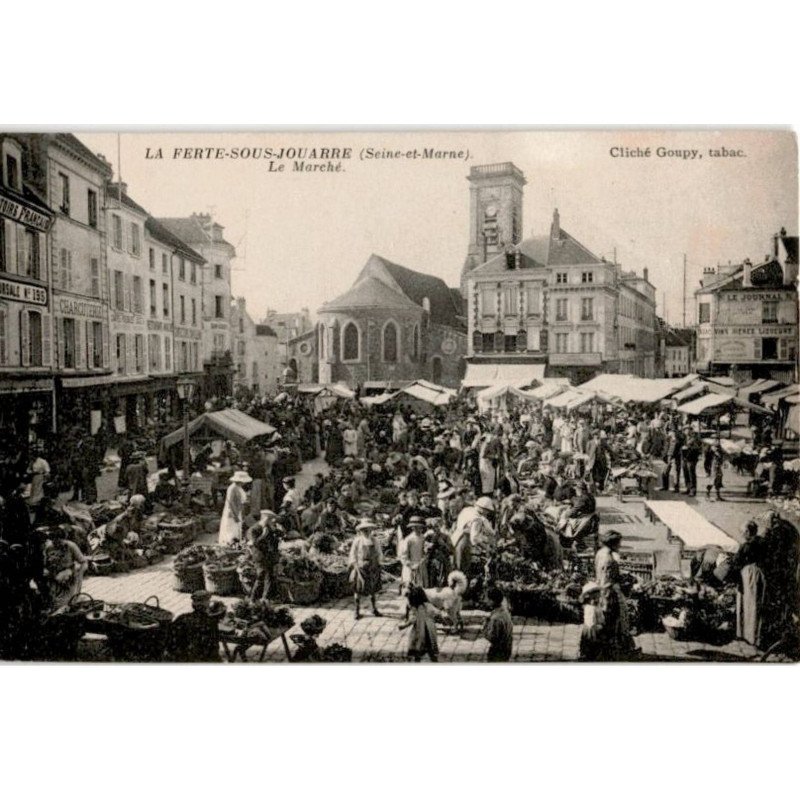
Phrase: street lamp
(185, 387)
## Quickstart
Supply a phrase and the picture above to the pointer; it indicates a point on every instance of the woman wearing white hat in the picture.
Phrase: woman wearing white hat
(230, 525)
(365, 566)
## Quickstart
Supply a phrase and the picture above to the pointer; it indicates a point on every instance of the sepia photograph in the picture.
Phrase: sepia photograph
(377, 397)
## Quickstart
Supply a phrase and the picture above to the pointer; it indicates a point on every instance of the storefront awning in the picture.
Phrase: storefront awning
(499, 374)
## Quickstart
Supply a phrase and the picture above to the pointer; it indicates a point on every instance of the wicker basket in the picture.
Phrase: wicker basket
(189, 578)
(222, 581)
(102, 564)
(247, 578)
(336, 584)
(301, 593)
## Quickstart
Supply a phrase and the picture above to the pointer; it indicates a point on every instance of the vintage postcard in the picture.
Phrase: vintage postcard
(495, 396)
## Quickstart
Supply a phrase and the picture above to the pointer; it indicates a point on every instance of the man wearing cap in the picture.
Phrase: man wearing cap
(411, 553)
(263, 543)
(194, 637)
(230, 524)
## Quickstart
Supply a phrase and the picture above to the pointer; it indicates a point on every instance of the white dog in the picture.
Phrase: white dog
(447, 599)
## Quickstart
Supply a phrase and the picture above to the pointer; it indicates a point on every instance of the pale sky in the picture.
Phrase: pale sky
(302, 238)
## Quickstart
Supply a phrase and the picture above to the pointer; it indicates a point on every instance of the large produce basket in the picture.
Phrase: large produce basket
(222, 579)
(301, 592)
(336, 584)
(189, 578)
(138, 631)
(176, 535)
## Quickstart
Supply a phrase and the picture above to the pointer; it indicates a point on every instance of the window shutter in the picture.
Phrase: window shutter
(43, 260)
(11, 247)
(47, 350)
(130, 355)
(24, 339)
(22, 252)
(68, 280)
(127, 280)
(104, 328)
(89, 345)
(80, 351)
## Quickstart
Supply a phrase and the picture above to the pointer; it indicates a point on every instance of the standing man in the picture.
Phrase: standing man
(263, 543)
(674, 457)
(692, 448)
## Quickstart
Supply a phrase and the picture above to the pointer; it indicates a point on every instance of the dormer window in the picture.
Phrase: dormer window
(12, 166)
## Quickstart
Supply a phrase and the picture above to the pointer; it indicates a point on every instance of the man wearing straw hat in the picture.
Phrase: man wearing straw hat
(230, 525)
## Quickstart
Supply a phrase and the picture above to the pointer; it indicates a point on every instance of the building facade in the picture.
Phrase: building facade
(304, 357)
(747, 316)
(287, 326)
(206, 237)
(548, 301)
(392, 326)
(26, 352)
(678, 352)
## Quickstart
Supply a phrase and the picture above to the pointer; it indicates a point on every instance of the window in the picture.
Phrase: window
(136, 243)
(138, 344)
(241, 348)
(64, 182)
(533, 299)
(194, 311)
(165, 297)
(94, 268)
(218, 306)
(91, 207)
(704, 313)
(116, 231)
(3, 335)
(153, 304)
(182, 270)
(183, 365)
(415, 343)
(122, 353)
(390, 342)
(12, 173)
(138, 300)
(219, 343)
(561, 277)
(66, 269)
(193, 269)
(587, 277)
(561, 309)
(119, 290)
(167, 354)
(218, 271)
(32, 338)
(769, 311)
(95, 340)
(154, 350)
(511, 299)
(241, 325)
(152, 258)
(70, 351)
(587, 309)
(769, 348)
(183, 308)
(164, 263)
(351, 349)
(562, 343)
(33, 259)
(488, 301)
(587, 343)
(487, 342)
(510, 344)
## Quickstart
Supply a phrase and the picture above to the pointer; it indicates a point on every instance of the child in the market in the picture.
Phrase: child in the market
(422, 638)
(590, 646)
(499, 629)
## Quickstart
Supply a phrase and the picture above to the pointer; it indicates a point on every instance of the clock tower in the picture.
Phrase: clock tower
(495, 213)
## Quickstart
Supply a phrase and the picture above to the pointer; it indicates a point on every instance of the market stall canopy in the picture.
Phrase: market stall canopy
(500, 374)
(689, 392)
(714, 403)
(563, 399)
(229, 423)
(492, 394)
(760, 386)
(377, 399)
(773, 398)
(427, 392)
(632, 389)
(550, 388)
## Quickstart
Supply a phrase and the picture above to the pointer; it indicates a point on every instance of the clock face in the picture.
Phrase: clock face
(448, 347)
(491, 211)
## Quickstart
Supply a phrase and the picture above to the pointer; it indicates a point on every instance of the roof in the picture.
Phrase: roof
(543, 251)
(191, 230)
(74, 143)
(309, 334)
(768, 274)
(265, 330)
(416, 286)
(162, 234)
(369, 292)
(113, 193)
(230, 423)
(790, 244)
(679, 337)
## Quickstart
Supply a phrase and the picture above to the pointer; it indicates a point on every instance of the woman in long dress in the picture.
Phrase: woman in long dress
(230, 525)
(616, 642)
(64, 566)
(751, 586)
(365, 567)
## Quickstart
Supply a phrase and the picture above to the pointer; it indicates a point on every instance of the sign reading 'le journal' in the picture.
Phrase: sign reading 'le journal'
(24, 214)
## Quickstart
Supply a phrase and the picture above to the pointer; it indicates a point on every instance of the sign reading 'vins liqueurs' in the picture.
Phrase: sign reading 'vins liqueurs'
(22, 292)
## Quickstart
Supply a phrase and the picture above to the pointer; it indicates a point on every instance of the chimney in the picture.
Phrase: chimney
(645, 273)
(555, 227)
(746, 277)
(115, 187)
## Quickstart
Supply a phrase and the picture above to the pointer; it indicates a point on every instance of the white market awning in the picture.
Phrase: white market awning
(701, 404)
(502, 374)
(773, 398)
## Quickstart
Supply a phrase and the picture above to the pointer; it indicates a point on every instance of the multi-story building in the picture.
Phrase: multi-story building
(546, 303)
(393, 325)
(678, 352)
(74, 180)
(287, 326)
(205, 236)
(304, 357)
(26, 382)
(747, 316)
(255, 352)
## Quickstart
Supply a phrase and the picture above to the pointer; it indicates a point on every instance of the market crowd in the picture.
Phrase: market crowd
(468, 509)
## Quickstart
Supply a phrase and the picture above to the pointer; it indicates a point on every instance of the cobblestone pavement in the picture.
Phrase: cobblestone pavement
(378, 638)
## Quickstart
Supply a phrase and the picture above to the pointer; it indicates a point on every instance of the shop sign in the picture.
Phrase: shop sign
(22, 292)
(186, 333)
(80, 308)
(24, 215)
(158, 325)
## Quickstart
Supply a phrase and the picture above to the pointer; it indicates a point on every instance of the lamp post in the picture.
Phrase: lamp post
(185, 387)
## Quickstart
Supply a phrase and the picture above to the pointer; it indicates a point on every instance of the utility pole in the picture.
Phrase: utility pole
(684, 291)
